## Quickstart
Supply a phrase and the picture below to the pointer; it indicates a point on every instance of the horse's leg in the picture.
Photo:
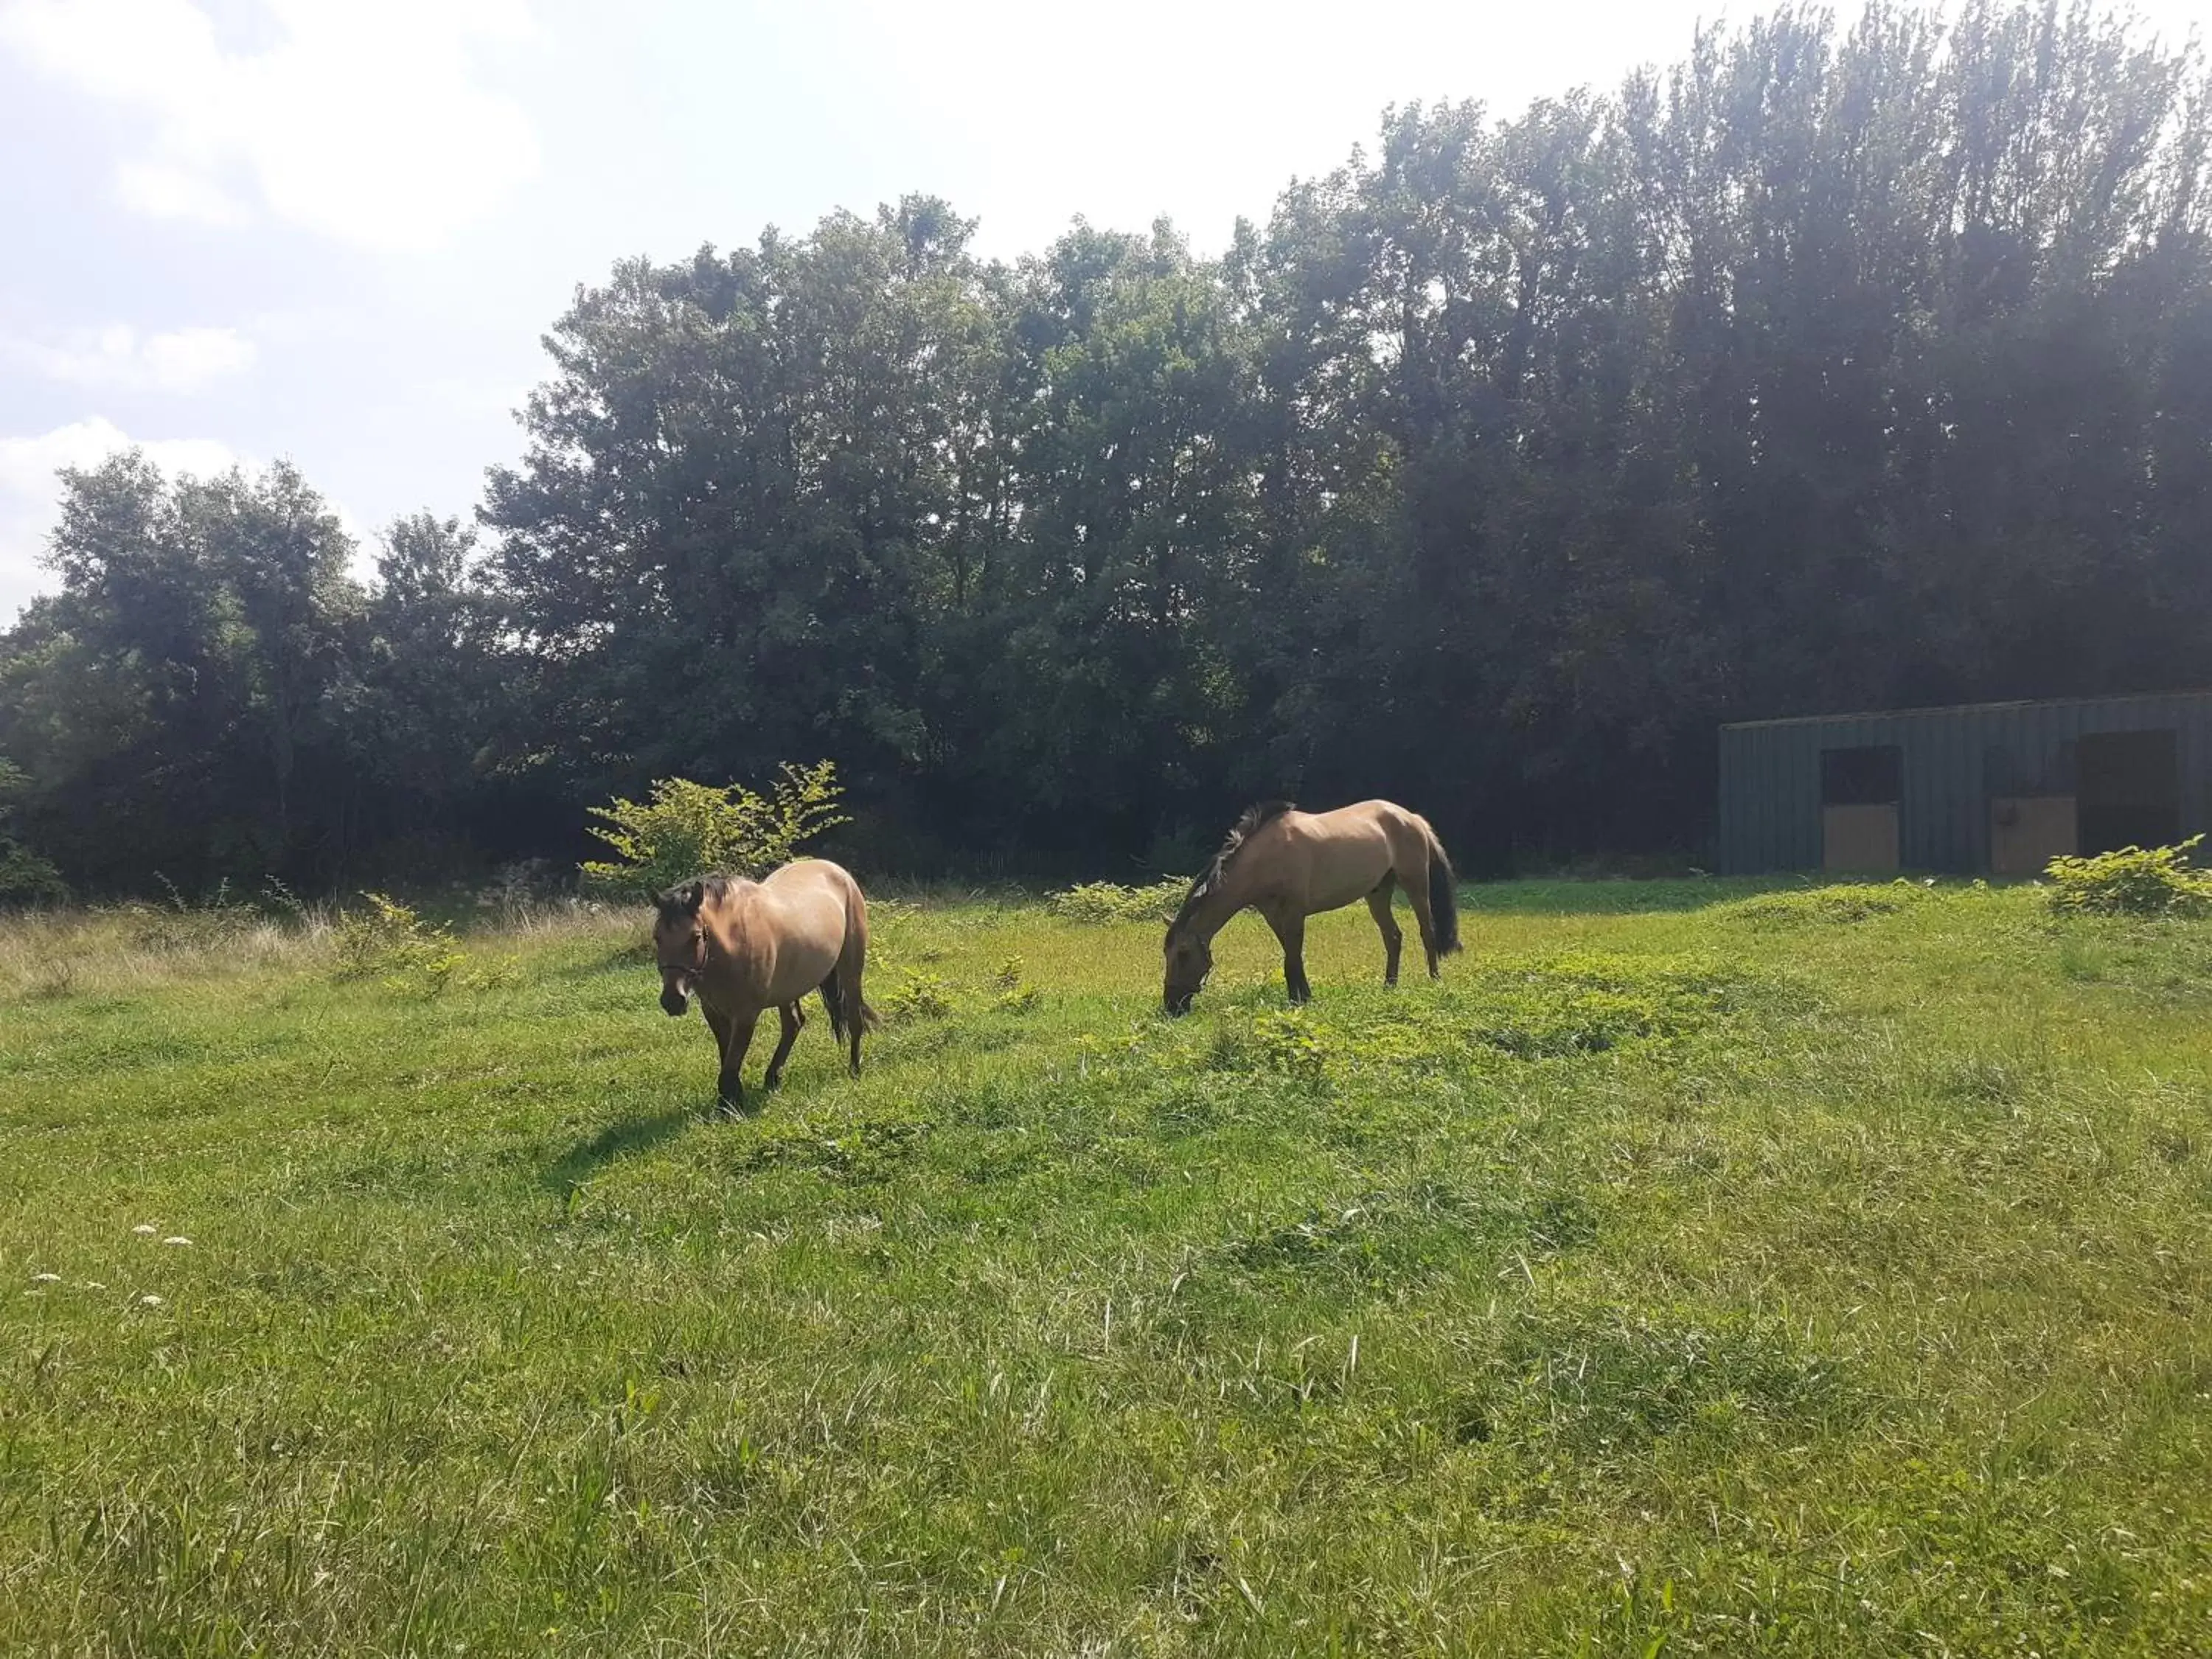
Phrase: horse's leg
(1415, 881)
(718, 1024)
(1394, 937)
(732, 1087)
(794, 1021)
(1289, 927)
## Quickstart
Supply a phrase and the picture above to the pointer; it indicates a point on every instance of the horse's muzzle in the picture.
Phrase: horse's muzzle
(675, 1002)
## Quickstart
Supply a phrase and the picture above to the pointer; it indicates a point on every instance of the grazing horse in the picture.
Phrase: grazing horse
(745, 946)
(1290, 864)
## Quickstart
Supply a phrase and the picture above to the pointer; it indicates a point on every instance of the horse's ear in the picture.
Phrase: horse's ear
(694, 895)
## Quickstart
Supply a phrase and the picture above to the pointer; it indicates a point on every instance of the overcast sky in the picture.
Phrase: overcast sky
(334, 229)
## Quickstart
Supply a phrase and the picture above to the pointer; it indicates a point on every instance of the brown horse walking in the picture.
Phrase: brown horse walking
(744, 947)
(1290, 864)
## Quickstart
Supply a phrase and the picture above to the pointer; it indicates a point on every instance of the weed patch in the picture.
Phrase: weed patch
(1606, 1384)
(1424, 1227)
(1841, 905)
(863, 1153)
(1288, 1042)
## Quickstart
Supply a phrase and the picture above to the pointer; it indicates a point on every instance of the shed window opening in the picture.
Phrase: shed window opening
(2128, 789)
(1871, 777)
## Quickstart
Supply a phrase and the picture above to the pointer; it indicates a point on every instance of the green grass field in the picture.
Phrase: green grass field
(1686, 1273)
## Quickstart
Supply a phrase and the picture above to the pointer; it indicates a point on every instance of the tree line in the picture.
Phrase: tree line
(1838, 366)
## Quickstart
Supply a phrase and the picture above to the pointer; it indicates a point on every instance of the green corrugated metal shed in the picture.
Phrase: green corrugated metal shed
(1962, 777)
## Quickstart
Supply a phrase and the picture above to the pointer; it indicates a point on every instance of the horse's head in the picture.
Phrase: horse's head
(1190, 960)
(679, 944)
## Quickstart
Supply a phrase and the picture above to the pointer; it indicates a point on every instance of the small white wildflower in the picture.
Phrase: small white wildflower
(179, 1239)
(149, 1300)
(45, 1278)
(145, 1229)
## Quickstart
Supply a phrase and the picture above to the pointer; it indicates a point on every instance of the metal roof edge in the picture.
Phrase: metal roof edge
(1965, 709)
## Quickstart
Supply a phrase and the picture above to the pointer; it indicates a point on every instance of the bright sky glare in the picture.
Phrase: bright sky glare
(335, 229)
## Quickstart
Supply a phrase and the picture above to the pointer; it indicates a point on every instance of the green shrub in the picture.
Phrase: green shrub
(917, 996)
(1014, 996)
(1106, 901)
(389, 941)
(685, 829)
(2135, 881)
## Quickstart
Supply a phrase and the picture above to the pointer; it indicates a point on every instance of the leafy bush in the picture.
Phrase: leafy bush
(2135, 881)
(1106, 901)
(389, 941)
(917, 996)
(686, 828)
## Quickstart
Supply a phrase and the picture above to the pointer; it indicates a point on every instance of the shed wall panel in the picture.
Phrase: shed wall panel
(1955, 761)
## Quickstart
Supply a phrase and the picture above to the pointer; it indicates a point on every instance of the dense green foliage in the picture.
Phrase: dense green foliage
(1110, 900)
(685, 829)
(1840, 365)
(2133, 881)
(1662, 1281)
(25, 877)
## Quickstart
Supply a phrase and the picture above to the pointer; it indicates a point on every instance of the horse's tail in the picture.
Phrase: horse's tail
(849, 1020)
(833, 999)
(1443, 896)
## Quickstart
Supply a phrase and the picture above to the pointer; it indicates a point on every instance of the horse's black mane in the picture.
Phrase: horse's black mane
(685, 897)
(1259, 813)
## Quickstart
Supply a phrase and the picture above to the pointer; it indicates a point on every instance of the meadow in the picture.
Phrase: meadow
(1695, 1269)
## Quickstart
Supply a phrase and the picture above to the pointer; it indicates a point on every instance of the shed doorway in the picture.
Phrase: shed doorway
(1861, 790)
(2127, 787)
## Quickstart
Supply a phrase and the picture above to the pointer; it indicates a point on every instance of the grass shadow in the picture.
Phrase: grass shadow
(634, 1134)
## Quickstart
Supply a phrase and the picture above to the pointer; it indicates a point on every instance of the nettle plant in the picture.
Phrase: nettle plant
(683, 829)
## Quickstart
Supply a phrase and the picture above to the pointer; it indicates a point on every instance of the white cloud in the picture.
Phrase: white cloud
(167, 192)
(363, 122)
(30, 493)
(185, 360)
